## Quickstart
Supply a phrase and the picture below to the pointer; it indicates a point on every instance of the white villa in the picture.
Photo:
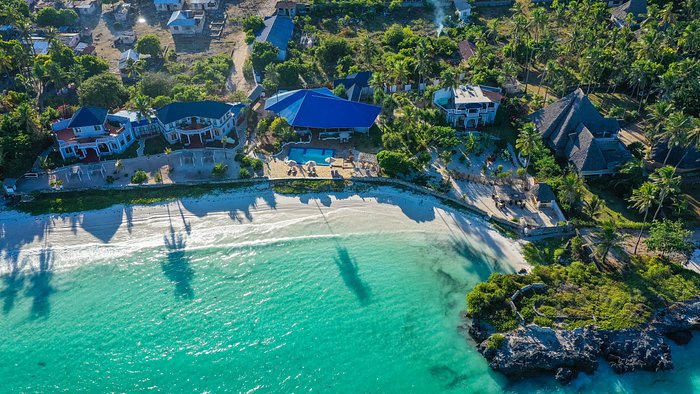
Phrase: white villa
(469, 106)
(198, 122)
(91, 133)
(186, 22)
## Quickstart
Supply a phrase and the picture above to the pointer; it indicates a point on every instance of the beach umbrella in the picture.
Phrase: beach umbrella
(292, 163)
(311, 163)
(329, 160)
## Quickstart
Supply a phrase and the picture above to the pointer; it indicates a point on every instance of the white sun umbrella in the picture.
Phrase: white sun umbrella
(311, 163)
(329, 160)
(292, 163)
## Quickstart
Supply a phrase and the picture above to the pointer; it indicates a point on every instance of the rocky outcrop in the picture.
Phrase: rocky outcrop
(533, 349)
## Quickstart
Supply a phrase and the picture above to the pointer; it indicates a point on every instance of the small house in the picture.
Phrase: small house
(186, 22)
(127, 58)
(204, 5)
(463, 10)
(356, 85)
(86, 7)
(127, 38)
(278, 31)
(84, 49)
(289, 8)
(168, 5)
(543, 195)
(122, 12)
(71, 40)
(467, 49)
(636, 8)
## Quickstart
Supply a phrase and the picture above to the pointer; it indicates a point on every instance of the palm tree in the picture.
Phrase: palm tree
(400, 71)
(666, 183)
(143, 106)
(676, 130)
(634, 173)
(424, 62)
(527, 141)
(571, 187)
(593, 207)
(642, 199)
(367, 49)
(449, 78)
(692, 139)
(607, 238)
(658, 113)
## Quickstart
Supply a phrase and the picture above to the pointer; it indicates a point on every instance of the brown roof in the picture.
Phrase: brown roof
(467, 49)
(493, 96)
(286, 4)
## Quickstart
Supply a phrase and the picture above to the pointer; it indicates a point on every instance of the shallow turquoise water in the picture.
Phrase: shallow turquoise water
(353, 313)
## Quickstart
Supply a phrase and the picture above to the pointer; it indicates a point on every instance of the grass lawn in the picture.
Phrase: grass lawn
(78, 201)
(156, 145)
(605, 101)
(616, 207)
(130, 153)
(370, 142)
(502, 128)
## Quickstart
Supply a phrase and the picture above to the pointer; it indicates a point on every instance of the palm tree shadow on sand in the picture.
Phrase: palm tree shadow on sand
(349, 271)
(176, 267)
(40, 288)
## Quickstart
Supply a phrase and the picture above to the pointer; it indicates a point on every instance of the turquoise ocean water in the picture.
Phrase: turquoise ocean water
(353, 314)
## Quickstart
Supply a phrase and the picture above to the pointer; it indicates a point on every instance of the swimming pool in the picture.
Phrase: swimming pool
(304, 155)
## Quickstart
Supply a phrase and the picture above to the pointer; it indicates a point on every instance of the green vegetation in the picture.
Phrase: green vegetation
(52, 17)
(495, 341)
(219, 170)
(299, 186)
(149, 44)
(103, 90)
(67, 202)
(140, 176)
(580, 294)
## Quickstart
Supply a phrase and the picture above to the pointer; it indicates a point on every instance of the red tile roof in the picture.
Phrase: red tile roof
(467, 49)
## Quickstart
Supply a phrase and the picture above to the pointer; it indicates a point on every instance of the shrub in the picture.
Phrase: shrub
(139, 177)
(244, 173)
(109, 179)
(219, 170)
(395, 163)
(495, 341)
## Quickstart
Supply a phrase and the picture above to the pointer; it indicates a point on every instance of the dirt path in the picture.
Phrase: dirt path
(244, 8)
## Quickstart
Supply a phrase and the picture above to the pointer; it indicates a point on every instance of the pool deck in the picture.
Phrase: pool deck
(276, 169)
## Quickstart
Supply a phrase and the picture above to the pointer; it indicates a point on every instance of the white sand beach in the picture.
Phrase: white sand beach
(239, 218)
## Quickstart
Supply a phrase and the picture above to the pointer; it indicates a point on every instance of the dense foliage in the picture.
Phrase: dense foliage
(580, 294)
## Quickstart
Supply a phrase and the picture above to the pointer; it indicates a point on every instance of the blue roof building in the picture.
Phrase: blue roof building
(321, 109)
(356, 84)
(88, 117)
(186, 22)
(198, 122)
(278, 31)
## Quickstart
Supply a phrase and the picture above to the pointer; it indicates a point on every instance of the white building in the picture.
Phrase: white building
(204, 5)
(196, 123)
(86, 7)
(463, 10)
(168, 5)
(92, 133)
(469, 106)
(186, 22)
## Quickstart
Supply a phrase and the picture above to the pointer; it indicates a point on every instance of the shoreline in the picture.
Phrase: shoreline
(242, 215)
